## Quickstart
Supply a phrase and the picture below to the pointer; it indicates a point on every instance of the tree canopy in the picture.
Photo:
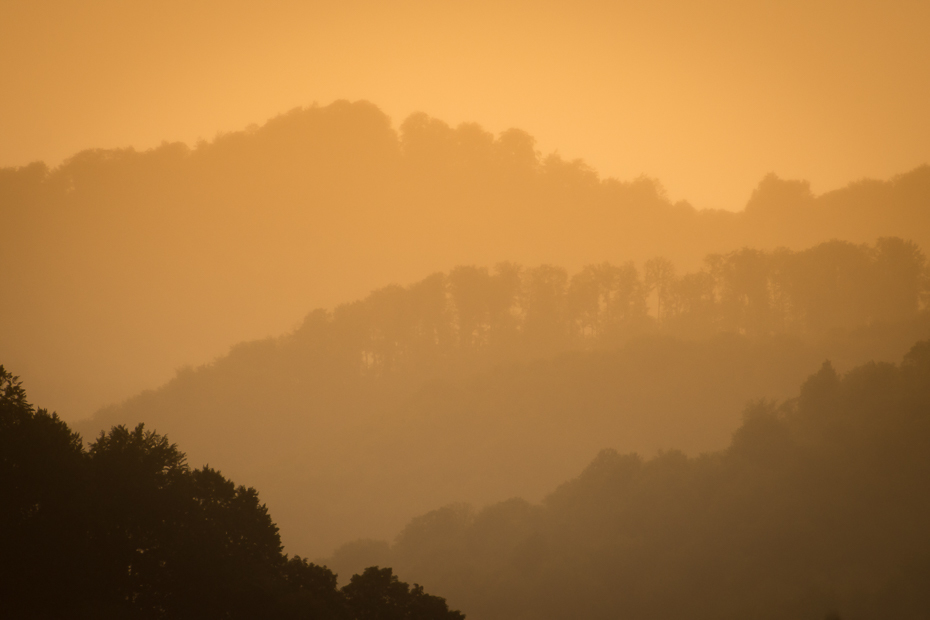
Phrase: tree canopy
(817, 508)
(127, 529)
(323, 204)
(462, 373)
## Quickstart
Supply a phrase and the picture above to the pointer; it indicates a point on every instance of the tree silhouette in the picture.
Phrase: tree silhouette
(41, 509)
(377, 594)
(126, 529)
(817, 504)
(659, 276)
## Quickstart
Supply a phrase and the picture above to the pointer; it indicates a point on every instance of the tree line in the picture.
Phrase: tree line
(324, 204)
(454, 377)
(817, 508)
(512, 312)
(125, 528)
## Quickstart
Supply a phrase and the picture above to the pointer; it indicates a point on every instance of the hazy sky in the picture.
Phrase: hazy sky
(706, 96)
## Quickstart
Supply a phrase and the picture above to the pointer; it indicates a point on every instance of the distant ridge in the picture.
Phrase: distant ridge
(127, 265)
(478, 385)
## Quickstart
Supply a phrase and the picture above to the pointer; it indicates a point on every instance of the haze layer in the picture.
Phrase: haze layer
(126, 266)
(707, 96)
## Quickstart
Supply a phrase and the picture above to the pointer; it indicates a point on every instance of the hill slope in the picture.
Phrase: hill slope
(817, 508)
(477, 386)
(123, 265)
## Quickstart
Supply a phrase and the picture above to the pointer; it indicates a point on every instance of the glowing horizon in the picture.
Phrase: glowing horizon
(706, 100)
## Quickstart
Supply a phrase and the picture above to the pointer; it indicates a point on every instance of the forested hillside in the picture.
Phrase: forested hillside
(817, 509)
(127, 529)
(479, 385)
(123, 266)
(650, 342)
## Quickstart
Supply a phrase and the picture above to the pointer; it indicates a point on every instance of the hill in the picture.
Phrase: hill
(479, 385)
(817, 508)
(126, 529)
(123, 266)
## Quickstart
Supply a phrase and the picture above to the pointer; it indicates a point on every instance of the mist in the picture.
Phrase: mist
(530, 311)
(129, 265)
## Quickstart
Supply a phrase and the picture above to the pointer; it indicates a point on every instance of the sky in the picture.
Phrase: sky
(707, 97)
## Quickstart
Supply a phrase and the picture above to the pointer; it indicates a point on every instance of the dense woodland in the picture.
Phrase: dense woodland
(125, 265)
(479, 385)
(818, 508)
(126, 529)
(514, 313)
(566, 316)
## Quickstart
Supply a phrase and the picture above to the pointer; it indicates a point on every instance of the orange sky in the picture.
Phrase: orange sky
(706, 96)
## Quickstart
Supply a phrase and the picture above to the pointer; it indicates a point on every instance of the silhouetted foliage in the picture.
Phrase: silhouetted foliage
(516, 313)
(377, 594)
(126, 529)
(42, 508)
(381, 407)
(818, 508)
(320, 205)
(439, 381)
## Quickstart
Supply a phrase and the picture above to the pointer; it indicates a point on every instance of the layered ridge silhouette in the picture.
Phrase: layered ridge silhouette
(126, 529)
(478, 385)
(817, 508)
(124, 265)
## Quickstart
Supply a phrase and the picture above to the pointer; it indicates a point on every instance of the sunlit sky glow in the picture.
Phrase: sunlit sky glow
(707, 97)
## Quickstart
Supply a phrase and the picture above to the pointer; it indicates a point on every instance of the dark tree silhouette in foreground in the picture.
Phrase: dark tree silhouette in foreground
(377, 594)
(42, 507)
(126, 529)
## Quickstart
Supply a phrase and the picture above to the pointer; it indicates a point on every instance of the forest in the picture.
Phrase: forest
(462, 387)
(413, 341)
(235, 238)
(817, 508)
(127, 529)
